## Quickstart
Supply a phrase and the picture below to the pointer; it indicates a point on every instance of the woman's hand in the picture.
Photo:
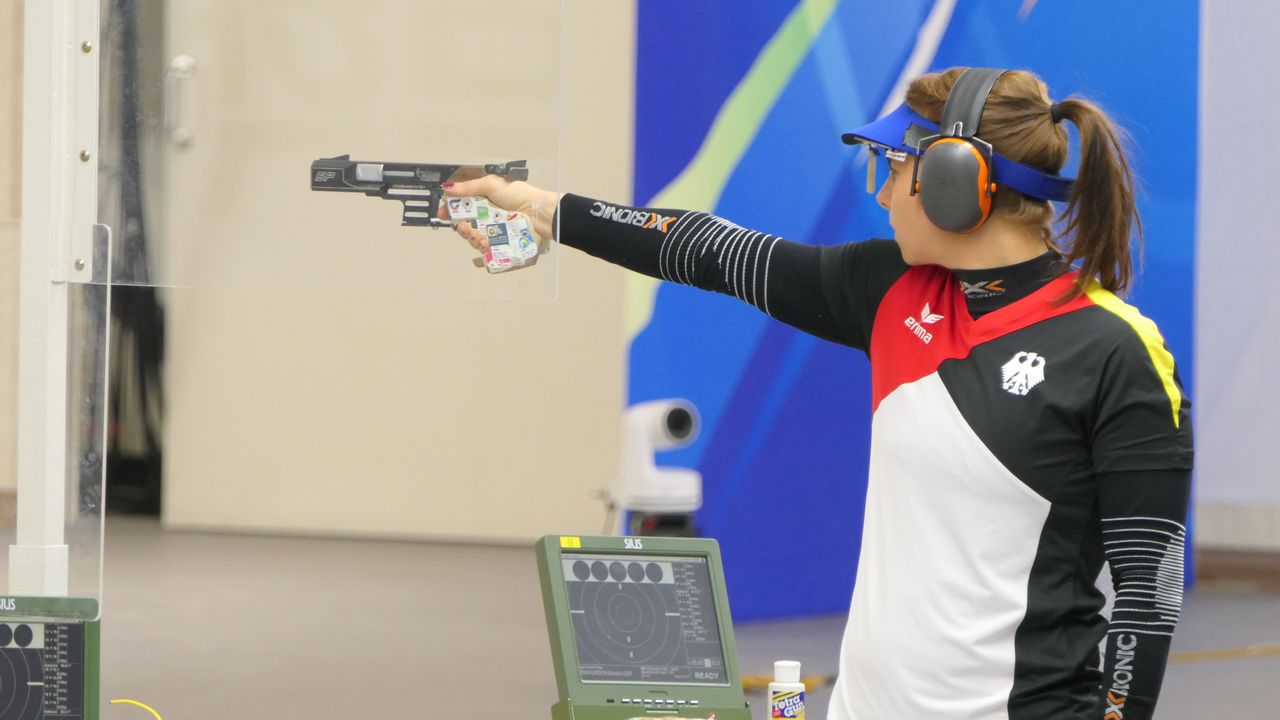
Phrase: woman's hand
(535, 203)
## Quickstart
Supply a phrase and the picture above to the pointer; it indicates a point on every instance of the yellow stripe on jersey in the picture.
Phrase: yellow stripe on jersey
(1160, 356)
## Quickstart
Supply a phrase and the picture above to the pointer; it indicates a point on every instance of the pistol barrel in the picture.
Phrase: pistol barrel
(417, 185)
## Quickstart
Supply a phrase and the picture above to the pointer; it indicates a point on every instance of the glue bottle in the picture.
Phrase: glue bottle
(786, 692)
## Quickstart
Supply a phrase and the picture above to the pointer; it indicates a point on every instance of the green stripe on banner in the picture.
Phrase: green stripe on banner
(700, 184)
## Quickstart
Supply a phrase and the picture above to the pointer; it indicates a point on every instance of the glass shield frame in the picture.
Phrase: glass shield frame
(54, 325)
(79, 500)
(379, 104)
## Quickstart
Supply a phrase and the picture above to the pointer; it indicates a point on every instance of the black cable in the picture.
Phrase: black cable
(136, 312)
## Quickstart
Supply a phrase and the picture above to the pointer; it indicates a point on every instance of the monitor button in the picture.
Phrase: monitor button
(626, 701)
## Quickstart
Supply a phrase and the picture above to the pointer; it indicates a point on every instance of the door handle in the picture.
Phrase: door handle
(180, 69)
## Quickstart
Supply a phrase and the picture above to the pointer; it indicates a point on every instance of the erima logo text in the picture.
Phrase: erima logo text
(917, 327)
(627, 216)
(1023, 372)
(1118, 693)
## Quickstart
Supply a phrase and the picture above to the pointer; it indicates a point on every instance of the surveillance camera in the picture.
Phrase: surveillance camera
(641, 486)
(667, 424)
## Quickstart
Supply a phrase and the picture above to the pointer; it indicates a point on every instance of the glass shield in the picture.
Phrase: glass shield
(51, 528)
(303, 149)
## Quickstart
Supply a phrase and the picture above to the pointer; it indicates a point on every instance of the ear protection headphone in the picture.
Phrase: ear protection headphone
(953, 170)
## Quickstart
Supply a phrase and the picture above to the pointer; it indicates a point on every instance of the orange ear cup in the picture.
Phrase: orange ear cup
(986, 188)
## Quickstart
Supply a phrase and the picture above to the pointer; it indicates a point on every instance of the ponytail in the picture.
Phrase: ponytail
(1101, 210)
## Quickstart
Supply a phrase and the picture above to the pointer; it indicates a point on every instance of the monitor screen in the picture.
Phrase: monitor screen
(644, 619)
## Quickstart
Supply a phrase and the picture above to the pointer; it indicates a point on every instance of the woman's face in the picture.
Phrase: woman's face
(921, 241)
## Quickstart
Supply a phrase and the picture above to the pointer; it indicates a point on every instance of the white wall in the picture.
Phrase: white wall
(1237, 308)
(376, 416)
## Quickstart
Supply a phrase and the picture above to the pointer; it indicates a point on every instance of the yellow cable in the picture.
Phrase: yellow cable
(1252, 651)
(761, 682)
(148, 708)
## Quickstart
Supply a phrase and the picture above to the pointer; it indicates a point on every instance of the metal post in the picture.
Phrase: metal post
(59, 208)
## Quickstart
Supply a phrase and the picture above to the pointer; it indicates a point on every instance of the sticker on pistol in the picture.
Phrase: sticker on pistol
(498, 260)
(522, 238)
(496, 233)
(501, 256)
(463, 208)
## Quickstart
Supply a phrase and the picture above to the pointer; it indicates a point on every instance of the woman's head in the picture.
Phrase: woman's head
(1020, 122)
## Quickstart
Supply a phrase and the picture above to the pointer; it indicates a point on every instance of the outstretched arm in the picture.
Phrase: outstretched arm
(795, 283)
(779, 277)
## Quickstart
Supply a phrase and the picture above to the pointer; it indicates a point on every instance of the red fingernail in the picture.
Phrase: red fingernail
(446, 186)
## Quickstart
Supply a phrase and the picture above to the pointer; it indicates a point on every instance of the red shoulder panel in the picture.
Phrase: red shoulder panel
(924, 320)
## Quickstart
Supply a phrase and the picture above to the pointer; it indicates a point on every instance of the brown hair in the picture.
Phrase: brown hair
(1018, 122)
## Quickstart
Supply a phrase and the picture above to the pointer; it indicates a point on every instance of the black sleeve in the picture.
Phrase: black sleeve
(1142, 417)
(856, 276)
(801, 285)
(1144, 539)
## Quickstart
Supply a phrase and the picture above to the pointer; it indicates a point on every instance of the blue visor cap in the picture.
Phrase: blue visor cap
(904, 129)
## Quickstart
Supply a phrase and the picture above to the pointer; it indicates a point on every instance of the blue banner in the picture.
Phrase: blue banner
(747, 101)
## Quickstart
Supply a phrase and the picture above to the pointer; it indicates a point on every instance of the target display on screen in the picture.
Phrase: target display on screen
(41, 671)
(644, 619)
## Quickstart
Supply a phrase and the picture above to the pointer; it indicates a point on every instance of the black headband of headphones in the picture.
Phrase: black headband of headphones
(963, 111)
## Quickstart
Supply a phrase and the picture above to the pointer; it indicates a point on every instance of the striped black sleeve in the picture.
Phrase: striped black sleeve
(805, 286)
(1144, 540)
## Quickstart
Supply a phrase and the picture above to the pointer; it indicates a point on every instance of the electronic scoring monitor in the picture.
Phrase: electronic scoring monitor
(639, 627)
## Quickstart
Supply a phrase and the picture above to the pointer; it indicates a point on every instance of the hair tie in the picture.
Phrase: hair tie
(1056, 113)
